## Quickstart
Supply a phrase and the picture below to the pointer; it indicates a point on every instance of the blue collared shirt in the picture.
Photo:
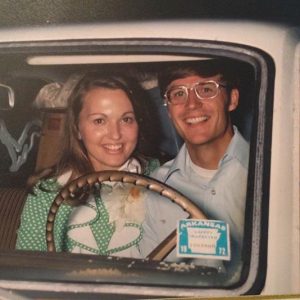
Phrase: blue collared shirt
(223, 197)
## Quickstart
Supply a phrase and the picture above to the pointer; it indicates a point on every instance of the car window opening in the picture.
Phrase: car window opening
(40, 136)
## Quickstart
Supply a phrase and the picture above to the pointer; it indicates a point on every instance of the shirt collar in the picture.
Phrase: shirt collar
(238, 149)
(132, 165)
(179, 163)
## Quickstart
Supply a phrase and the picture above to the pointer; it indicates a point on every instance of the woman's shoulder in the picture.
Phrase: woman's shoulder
(40, 198)
(44, 192)
(51, 184)
(47, 185)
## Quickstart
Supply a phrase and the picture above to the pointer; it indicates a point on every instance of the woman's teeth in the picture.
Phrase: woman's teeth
(113, 147)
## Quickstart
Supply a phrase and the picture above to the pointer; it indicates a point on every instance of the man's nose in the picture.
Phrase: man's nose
(192, 99)
(114, 131)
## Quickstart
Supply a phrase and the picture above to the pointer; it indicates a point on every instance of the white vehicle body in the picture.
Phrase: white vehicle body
(282, 44)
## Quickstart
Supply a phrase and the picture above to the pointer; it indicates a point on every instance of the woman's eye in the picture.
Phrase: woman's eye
(98, 121)
(128, 120)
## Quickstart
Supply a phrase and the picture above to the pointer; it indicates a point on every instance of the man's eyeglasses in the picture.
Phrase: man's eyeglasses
(204, 90)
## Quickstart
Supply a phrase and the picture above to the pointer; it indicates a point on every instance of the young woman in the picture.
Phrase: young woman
(102, 133)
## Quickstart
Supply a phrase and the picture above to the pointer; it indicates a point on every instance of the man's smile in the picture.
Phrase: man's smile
(196, 120)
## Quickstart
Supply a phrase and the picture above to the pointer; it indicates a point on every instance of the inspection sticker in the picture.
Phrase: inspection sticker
(203, 239)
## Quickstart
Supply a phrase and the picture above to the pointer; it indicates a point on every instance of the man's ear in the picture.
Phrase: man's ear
(234, 99)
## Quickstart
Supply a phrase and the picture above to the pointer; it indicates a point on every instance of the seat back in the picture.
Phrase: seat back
(11, 205)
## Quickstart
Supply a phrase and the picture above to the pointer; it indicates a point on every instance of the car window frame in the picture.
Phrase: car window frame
(260, 152)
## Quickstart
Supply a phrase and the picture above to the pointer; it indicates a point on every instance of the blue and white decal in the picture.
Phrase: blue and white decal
(207, 239)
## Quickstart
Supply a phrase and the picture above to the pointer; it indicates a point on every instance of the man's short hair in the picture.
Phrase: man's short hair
(228, 70)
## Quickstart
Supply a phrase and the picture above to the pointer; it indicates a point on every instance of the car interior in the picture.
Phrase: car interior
(32, 129)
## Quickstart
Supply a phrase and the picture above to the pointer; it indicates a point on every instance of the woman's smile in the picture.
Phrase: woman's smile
(113, 148)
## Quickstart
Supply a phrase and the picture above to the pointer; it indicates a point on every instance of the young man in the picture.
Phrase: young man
(212, 165)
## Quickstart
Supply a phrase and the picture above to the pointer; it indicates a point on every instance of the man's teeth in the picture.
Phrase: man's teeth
(196, 120)
(113, 147)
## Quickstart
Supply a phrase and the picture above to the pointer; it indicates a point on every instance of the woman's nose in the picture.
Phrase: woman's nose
(114, 131)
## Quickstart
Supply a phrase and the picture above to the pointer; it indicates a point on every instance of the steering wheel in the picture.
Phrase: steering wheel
(81, 187)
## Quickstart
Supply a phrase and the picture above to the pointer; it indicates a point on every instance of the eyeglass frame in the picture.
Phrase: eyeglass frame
(192, 87)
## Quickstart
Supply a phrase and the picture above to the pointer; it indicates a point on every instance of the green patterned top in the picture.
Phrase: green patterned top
(32, 231)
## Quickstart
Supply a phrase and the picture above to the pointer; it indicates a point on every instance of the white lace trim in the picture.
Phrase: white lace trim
(124, 202)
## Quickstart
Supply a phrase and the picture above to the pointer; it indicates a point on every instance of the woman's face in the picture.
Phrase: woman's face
(108, 128)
